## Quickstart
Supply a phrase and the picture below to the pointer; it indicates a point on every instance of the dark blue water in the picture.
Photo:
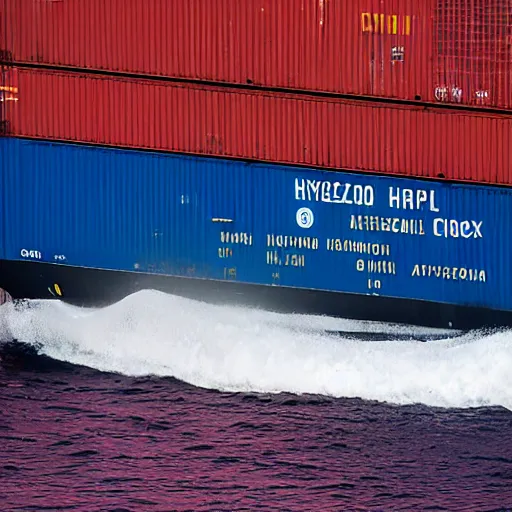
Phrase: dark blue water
(158, 403)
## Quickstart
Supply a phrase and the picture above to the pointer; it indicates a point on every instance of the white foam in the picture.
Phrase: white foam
(237, 349)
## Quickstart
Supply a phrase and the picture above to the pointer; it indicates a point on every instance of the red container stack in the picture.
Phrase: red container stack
(254, 77)
(441, 51)
(275, 127)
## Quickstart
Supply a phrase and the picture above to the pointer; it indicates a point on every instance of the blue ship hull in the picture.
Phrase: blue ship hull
(101, 223)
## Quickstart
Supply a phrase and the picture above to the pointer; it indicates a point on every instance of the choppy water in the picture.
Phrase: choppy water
(160, 403)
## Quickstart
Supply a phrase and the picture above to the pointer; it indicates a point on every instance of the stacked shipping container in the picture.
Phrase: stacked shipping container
(442, 51)
(153, 213)
(360, 85)
(255, 125)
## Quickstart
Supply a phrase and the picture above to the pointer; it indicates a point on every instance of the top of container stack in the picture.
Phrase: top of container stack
(439, 51)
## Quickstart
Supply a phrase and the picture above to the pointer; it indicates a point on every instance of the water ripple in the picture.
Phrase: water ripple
(216, 451)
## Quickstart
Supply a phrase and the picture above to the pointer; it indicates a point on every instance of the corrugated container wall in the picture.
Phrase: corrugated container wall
(140, 211)
(430, 50)
(292, 129)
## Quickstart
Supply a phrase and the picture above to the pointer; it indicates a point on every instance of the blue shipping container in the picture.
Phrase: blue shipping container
(255, 223)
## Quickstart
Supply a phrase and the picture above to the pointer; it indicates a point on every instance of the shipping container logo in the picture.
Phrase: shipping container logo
(386, 24)
(305, 218)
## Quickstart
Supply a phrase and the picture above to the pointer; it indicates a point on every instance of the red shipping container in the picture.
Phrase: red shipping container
(286, 128)
(430, 50)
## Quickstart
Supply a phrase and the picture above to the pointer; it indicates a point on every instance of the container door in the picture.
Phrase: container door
(473, 59)
(396, 45)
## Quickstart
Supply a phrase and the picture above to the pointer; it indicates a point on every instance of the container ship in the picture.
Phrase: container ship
(341, 157)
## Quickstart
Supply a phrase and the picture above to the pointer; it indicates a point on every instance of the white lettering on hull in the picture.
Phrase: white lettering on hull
(449, 273)
(409, 199)
(451, 228)
(336, 192)
(390, 224)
